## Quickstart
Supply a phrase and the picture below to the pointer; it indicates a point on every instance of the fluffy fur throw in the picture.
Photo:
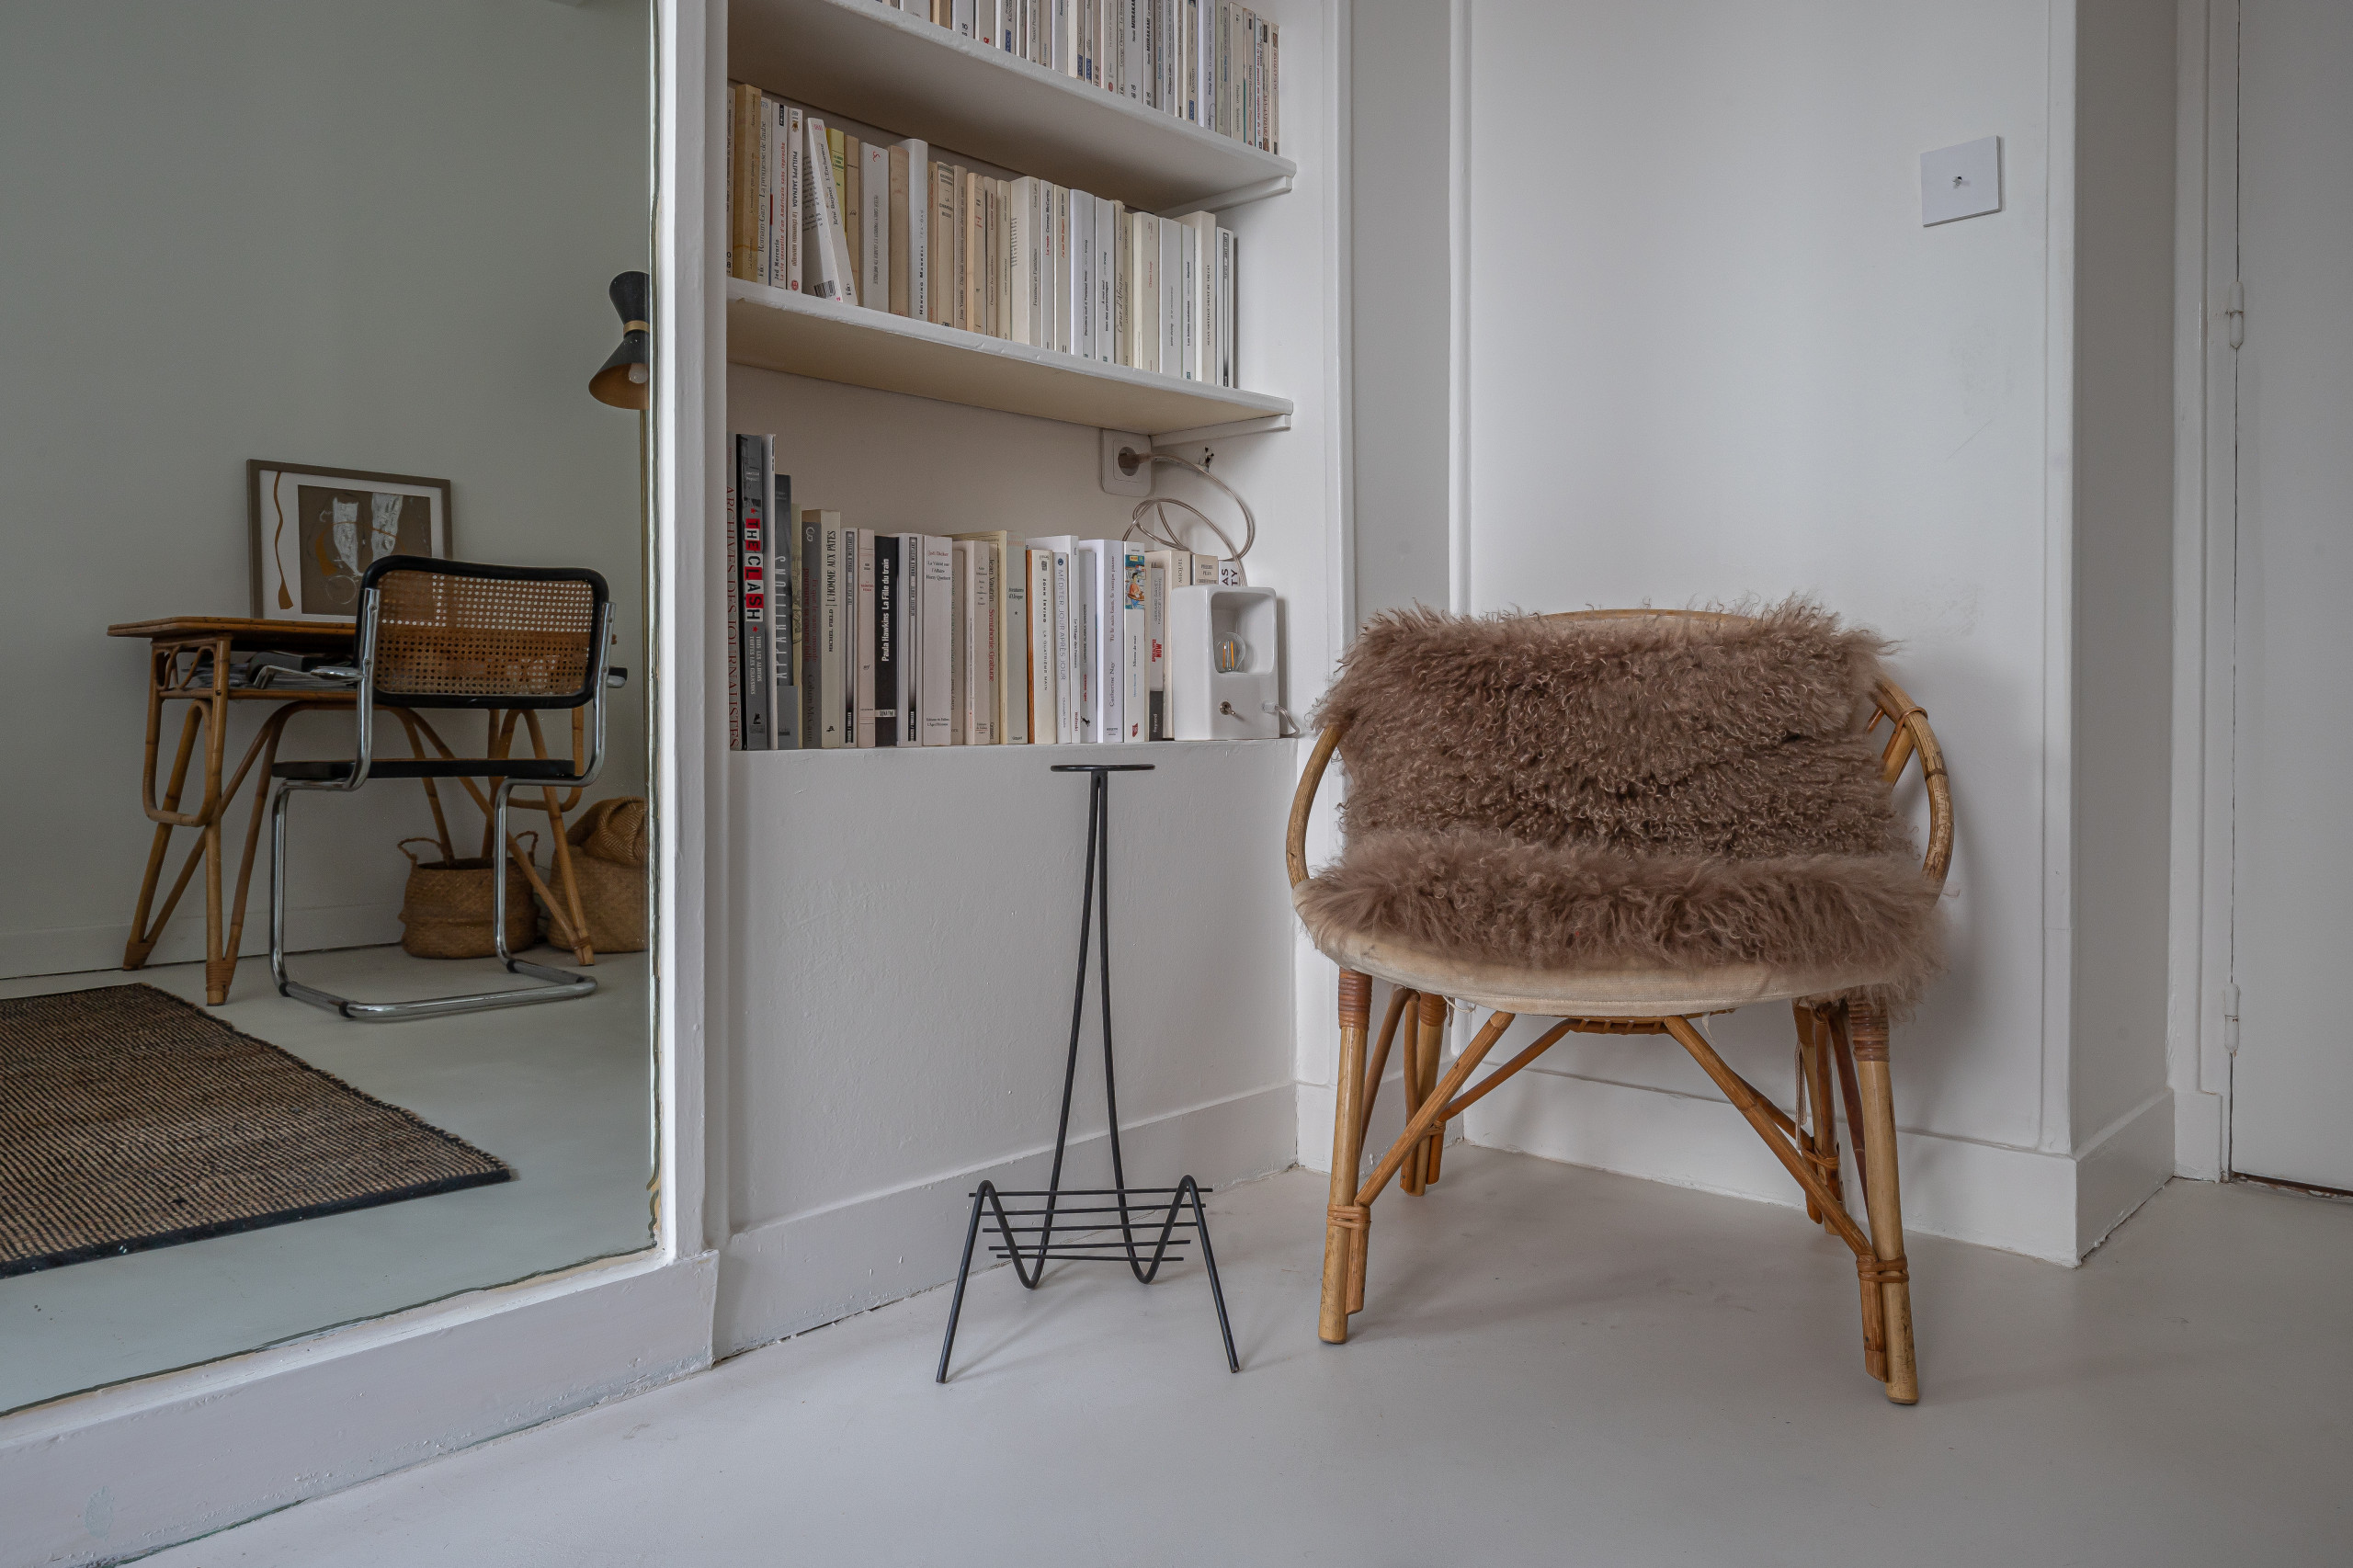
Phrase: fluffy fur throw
(1654, 792)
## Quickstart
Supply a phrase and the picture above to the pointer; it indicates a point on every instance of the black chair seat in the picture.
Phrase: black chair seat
(527, 768)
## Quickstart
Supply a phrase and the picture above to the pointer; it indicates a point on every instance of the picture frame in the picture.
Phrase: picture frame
(314, 530)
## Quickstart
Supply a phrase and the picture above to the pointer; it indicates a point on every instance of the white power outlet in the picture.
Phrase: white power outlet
(1117, 480)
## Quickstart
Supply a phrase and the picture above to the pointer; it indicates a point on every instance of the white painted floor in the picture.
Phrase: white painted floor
(1556, 1366)
(563, 1093)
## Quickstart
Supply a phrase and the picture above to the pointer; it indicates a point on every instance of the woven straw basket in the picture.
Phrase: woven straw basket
(446, 911)
(609, 855)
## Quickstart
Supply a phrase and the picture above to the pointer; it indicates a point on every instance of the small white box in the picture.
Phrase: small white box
(1213, 704)
(1960, 182)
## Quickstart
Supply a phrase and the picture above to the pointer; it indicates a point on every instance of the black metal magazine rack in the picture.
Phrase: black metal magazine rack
(1041, 1227)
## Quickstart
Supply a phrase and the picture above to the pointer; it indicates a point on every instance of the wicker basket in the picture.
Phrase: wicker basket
(446, 913)
(609, 858)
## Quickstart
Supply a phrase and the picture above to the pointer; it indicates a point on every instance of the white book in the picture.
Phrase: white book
(1080, 273)
(988, 645)
(1131, 60)
(1172, 297)
(962, 13)
(821, 234)
(1009, 581)
(918, 228)
(1086, 605)
(1052, 200)
(1066, 36)
(1105, 237)
(935, 643)
(874, 226)
(1043, 731)
(909, 610)
(1063, 606)
(831, 601)
(1021, 241)
(1228, 372)
(862, 639)
(1155, 599)
(1203, 365)
(1188, 351)
(1144, 291)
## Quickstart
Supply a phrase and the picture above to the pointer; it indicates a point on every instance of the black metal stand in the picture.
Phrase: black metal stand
(1088, 1241)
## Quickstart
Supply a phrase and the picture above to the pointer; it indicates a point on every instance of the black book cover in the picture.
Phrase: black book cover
(754, 673)
(886, 642)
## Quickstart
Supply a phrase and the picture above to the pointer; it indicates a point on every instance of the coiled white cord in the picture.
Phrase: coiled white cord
(1159, 530)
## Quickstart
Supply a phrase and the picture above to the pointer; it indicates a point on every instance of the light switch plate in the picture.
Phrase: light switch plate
(1117, 482)
(1960, 182)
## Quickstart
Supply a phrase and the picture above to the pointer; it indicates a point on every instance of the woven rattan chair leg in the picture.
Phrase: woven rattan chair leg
(1893, 1276)
(1345, 1218)
(1433, 1032)
(143, 935)
(1409, 1087)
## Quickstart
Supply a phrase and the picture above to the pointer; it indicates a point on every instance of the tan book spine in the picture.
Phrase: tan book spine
(901, 289)
(976, 251)
(993, 245)
(943, 244)
(1008, 268)
(854, 211)
(962, 218)
(744, 185)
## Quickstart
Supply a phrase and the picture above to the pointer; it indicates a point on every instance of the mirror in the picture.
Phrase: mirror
(293, 290)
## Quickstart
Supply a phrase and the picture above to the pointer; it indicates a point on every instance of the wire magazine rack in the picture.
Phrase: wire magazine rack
(1041, 1227)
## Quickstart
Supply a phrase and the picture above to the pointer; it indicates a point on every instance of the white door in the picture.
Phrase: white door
(2292, 1085)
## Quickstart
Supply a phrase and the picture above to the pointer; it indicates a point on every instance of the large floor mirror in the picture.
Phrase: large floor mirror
(314, 515)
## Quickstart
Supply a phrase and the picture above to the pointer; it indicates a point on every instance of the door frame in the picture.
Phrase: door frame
(2201, 1025)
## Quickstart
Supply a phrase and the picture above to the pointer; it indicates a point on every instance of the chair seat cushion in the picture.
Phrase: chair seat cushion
(1472, 896)
(551, 769)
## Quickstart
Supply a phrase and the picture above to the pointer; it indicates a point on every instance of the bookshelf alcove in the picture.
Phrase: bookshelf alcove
(890, 925)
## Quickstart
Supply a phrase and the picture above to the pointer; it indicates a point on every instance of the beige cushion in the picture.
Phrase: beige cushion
(1574, 993)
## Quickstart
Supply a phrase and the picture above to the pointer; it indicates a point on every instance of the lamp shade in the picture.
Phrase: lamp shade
(624, 380)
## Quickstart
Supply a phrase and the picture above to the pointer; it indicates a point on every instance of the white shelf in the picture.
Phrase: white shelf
(895, 70)
(776, 329)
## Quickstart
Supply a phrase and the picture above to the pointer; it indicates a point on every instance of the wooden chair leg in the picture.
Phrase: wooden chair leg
(143, 934)
(1890, 1273)
(1409, 1085)
(1433, 1032)
(1819, 1142)
(1346, 1220)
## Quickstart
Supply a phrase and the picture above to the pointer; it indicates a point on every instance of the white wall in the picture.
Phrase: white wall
(900, 929)
(1710, 354)
(368, 237)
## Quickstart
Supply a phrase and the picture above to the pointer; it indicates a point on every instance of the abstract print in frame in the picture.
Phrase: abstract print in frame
(317, 531)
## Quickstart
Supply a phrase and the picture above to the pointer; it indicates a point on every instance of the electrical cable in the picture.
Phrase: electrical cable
(1160, 531)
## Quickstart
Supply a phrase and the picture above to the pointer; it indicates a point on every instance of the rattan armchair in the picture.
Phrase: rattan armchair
(459, 634)
(1842, 1027)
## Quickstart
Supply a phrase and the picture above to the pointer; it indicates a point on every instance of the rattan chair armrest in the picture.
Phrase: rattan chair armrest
(1910, 737)
(1303, 800)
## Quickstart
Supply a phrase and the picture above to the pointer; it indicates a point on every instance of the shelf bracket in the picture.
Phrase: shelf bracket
(1240, 196)
(1259, 427)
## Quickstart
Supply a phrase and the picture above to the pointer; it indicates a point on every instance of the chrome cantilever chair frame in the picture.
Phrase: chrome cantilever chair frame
(556, 985)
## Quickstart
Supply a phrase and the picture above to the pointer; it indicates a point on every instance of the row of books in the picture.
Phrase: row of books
(816, 210)
(842, 636)
(1207, 61)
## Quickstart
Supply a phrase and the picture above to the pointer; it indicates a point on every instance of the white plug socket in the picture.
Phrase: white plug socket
(1119, 480)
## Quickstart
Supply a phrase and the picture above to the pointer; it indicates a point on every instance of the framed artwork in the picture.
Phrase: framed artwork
(316, 530)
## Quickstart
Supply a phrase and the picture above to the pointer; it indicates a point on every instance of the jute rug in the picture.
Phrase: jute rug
(129, 1118)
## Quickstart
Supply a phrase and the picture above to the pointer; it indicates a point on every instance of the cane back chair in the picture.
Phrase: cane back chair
(461, 634)
(1844, 1035)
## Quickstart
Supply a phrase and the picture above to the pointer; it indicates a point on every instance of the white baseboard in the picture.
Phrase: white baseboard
(797, 1272)
(2196, 1134)
(124, 1471)
(2121, 1168)
(1987, 1194)
(76, 950)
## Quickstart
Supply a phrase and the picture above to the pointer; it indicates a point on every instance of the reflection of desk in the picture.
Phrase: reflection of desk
(188, 661)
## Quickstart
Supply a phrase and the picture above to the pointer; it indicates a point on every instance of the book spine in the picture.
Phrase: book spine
(796, 173)
(918, 226)
(988, 613)
(1082, 274)
(874, 281)
(1123, 293)
(742, 183)
(1172, 297)
(1007, 263)
(993, 273)
(975, 212)
(1107, 253)
(938, 645)
(1021, 241)
(960, 629)
(1158, 567)
(1049, 269)
(1012, 574)
(735, 558)
(862, 637)
(1228, 373)
(902, 273)
(943, 244)
(764, 232)
(1135, 638)
(843, 212)
(820, 253)
(806, 616)
(750, 492)
(1065, 671)
(888, 626)
(835, 704)
(784, 605)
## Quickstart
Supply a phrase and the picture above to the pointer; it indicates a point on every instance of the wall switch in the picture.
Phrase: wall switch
(1118, 478)
(1960, 182)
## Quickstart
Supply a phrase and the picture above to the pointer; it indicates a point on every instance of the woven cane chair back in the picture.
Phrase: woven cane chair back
(449, 635)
